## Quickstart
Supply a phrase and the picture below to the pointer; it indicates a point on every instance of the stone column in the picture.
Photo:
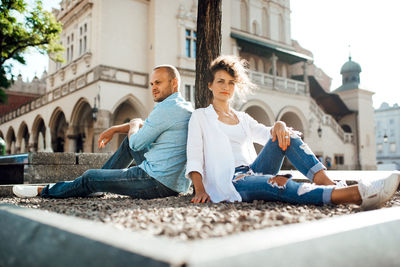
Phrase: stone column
(103, 122)
(30, 143)
(40, 147)
(70, 142)
(47, 141)
(274, 59)
(305, 77)
(12, 147)
(23, 146)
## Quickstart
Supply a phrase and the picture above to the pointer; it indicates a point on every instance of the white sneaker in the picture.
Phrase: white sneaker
(25, 191)
(340, 184)
(377, 192)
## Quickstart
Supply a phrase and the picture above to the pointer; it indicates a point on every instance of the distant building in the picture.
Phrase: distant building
(20, 92)
(387, 130)
(111, 47)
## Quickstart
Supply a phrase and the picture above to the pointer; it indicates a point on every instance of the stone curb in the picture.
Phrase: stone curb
(40, 238)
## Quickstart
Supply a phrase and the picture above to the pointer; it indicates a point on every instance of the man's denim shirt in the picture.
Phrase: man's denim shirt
(163, 137)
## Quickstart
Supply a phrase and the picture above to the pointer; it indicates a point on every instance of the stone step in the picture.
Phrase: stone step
(47, 167)
(35, 236)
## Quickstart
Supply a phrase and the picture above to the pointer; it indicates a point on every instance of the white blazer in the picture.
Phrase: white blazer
(209, 151)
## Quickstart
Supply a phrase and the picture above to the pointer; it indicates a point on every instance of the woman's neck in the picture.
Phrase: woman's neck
(221, 106)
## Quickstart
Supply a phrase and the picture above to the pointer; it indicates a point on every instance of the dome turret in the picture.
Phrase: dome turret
(350, 66)
(350, 72)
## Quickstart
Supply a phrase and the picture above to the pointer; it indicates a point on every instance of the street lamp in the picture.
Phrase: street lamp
(385, 138)
(95, 110)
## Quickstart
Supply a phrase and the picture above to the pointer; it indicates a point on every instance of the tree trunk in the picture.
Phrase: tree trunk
(208, 46)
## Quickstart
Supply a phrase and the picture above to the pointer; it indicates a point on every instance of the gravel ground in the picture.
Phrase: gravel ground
(178, 218)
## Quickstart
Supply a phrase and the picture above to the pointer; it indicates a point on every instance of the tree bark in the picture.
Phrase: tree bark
(208, 46)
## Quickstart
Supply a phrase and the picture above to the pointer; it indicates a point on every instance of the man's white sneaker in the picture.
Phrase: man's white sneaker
(375, 193)
(25, 191)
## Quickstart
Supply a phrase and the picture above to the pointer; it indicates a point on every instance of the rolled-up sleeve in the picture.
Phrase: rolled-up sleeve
(157, 122)
(259, 132)
(194, 150)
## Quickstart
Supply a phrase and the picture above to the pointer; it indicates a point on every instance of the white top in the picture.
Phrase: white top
(209, 151)
(237, 137)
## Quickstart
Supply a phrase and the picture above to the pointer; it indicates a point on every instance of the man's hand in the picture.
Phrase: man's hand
(282, 133)
(105, 137)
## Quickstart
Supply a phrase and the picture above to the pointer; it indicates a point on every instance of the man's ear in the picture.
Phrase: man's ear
(175, 83)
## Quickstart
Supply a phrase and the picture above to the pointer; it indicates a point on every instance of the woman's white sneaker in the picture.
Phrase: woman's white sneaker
(25, 191)
(375, 193)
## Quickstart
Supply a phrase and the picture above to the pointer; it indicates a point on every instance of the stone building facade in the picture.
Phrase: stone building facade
(111, 47)
(387, 131)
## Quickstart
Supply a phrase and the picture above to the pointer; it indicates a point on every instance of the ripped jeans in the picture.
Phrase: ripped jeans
(255, 184)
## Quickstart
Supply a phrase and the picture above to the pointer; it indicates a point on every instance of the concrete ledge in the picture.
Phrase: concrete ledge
(37, 238)
(55, 173)
(50, 158)
(97, 159)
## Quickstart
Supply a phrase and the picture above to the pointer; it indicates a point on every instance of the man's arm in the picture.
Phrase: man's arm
(144, 134)
(106, 136)
(134, 126)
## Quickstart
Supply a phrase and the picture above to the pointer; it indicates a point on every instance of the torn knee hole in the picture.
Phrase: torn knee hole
(278, 180)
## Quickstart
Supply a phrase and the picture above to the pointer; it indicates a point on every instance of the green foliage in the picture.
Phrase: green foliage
(22, 27)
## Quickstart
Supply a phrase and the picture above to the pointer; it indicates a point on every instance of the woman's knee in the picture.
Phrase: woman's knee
(278, 181)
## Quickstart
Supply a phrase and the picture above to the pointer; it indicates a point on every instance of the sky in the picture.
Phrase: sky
(327, 28)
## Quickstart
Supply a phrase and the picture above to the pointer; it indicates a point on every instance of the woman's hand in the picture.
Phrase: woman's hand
(201, 197)
(200, 193)
(282, 133)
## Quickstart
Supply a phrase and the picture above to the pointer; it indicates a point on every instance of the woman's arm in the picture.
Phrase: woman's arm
(200, 192)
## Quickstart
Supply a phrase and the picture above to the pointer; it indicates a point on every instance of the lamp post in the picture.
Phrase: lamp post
(95, 110)
(385, 138)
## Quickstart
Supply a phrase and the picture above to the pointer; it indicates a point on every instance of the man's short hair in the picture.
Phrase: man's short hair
(172, 72)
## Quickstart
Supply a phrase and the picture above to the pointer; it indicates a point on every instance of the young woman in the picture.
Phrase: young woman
(223, 165)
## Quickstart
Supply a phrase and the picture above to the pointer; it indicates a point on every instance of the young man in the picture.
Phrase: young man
(158, 146)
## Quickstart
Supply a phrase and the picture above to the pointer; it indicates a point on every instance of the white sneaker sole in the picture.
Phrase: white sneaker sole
(25, 191)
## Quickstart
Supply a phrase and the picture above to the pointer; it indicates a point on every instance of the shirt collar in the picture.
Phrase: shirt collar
(169, 98)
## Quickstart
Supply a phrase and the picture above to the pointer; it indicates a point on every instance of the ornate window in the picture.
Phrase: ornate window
(265, 23)
(244, 16)
(339, 160)
(188, 93)
(70, 47)
(393, 147)
(83, 30)
(190, 43)
(380, 148)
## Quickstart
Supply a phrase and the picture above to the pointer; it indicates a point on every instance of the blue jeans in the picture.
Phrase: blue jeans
(256, 185)
(114, 177)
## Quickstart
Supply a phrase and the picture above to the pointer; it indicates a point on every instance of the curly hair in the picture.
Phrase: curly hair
(237, 68)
